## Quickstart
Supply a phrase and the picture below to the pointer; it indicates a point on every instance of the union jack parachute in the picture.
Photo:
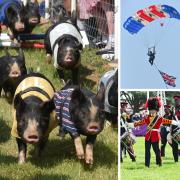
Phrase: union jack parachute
(147, 15)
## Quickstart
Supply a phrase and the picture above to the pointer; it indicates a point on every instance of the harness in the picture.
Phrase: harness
(41, 88)
(152, 124)
(107, 80)
(4, 4)
(62, 101)
(58, 32)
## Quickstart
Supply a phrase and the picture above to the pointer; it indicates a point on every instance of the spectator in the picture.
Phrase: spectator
(99, 8)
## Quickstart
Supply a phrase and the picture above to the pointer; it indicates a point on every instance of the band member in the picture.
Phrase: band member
(124, 129)
(165, 129)
(127, 141)
(174, 128)
(153, 121)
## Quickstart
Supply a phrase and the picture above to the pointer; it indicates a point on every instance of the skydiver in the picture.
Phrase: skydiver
(151, 54)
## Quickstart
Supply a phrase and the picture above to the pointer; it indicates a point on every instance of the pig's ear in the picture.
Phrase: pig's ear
(19, 102)
(10, 12)
(21, 54)
(101, 93)
(74, 17)
(48, 106)
(79, 46)
(77, 96)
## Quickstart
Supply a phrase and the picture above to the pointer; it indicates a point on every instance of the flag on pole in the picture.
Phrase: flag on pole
(169, 80)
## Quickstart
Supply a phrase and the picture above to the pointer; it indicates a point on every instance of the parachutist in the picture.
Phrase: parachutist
(151, 54)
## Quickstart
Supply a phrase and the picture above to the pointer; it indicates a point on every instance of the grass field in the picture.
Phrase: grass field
(58, 160)
(138, 171)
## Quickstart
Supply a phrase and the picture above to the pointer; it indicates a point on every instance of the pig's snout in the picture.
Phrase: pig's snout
(14, 74)
(31, 134)
(93, 128)
(15, 71)
(68, 57)
(32, 138)
(19, 26)
(33, 20)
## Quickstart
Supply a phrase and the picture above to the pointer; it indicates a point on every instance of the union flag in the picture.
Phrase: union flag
(169, 80)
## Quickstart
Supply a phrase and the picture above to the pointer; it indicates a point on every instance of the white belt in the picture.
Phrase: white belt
(155, 130)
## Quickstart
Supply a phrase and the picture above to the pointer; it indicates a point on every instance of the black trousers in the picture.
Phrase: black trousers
(164, 134)
(156, 149)
(175, 151)
(130, 151)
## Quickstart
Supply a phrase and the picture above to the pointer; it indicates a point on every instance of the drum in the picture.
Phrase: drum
(128, 139)
(176, 135)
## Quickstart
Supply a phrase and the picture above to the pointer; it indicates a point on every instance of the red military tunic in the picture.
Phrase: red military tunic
(153, 135)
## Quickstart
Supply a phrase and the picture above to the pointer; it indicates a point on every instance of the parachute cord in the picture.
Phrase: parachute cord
(160, 74)
(162, 34)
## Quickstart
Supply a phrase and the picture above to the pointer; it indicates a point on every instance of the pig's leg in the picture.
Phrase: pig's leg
(61, 75)
(41, 146)
(22, 149)
(79, 147)
(75, 76)
(89, 149)
(48, 49)
(10, 33)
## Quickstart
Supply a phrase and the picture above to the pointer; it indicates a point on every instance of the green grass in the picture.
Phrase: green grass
(138, 171)
(58, 160)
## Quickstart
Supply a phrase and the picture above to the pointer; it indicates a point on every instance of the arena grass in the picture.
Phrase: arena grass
(137, 170)
(58, 160)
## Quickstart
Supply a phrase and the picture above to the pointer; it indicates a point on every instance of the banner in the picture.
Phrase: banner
(139, 130)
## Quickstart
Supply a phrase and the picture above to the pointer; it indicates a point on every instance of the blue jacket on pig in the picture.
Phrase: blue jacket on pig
(4, 4)
(62, 100)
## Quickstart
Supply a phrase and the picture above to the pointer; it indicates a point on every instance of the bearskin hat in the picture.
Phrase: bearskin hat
(153, 103)
(177, 101)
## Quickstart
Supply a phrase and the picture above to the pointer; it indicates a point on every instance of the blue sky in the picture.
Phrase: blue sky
(136, 72)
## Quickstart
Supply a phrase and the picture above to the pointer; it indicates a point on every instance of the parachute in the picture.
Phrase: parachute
(147, 15)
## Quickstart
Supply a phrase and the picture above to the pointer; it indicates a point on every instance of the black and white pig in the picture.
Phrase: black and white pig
(33, 113)
(19, 18)
(80, 111)
(110, 82)
(64, 41)
(12, 68)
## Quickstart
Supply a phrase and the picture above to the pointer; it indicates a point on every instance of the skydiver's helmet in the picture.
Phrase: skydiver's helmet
(177, 105)
(153, 103)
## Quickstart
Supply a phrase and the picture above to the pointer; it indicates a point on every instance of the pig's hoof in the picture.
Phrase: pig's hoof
(80, 155)
(89, 160)
(48, 59)
(63, 82)
(21, 161)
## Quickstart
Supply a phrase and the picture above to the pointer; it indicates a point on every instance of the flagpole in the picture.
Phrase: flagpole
(161, 76)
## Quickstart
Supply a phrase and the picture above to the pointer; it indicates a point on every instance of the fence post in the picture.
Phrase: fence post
(73, 5)
(46, 9)
(117, 29)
